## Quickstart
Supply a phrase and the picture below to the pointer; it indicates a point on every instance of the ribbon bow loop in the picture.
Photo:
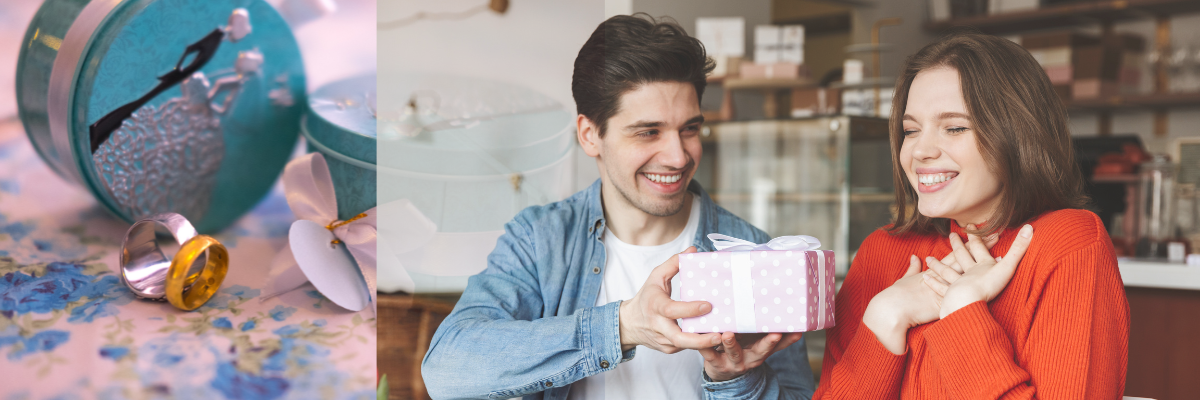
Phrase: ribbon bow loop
(794, 243)
(308, 188)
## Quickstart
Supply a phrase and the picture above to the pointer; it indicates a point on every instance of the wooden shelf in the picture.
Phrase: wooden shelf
(1123, 178)
(767, 83)
(1146, 101)
(1067, 15)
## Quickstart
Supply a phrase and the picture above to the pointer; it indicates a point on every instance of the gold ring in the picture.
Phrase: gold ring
(189, 292)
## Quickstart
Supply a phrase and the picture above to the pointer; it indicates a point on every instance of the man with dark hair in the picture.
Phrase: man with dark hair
(572, 290)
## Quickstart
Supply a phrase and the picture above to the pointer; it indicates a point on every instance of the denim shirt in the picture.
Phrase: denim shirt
(528, 324)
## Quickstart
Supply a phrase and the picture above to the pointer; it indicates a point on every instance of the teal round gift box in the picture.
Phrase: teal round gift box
(155, 106)
(340, 124)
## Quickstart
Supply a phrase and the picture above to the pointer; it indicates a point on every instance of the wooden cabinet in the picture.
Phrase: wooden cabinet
(406, 325)
(1164, 345)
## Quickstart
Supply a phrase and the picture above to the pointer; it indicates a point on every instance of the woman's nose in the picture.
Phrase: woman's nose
(926, 146)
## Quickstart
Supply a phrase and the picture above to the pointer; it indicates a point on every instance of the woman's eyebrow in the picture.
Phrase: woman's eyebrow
(952, 114)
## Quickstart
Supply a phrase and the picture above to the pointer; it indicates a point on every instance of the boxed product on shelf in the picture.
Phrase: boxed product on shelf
(778, 70)
(1055, 52)
(1111, 67)
(779, 43)
(809, 102)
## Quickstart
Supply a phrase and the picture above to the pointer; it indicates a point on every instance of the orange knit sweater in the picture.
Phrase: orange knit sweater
(1059, 330)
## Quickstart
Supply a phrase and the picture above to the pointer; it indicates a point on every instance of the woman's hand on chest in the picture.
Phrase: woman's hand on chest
(980, 278)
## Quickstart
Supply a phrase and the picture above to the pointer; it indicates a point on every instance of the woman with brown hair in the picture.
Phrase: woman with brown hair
(980, 148)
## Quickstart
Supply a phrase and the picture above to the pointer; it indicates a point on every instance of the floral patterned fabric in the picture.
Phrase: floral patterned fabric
(69, 328)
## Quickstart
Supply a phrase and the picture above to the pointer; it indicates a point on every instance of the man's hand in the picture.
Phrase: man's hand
(648, 319)
(733, 358)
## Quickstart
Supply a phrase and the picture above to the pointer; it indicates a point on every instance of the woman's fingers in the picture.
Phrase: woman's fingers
(1017, 251)
(950, 261)
(914, 266)
(963, 256)
(944, 272)
(938, 287)
(977, 248)
(933, 274)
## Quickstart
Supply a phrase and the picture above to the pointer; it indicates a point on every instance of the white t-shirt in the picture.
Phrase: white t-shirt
(650, 374)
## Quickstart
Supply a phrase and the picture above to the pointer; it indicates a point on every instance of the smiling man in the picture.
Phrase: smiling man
(576, 301)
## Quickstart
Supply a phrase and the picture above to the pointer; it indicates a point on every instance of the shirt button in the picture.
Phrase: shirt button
(595, 270)
(549, 384)
(603, 364)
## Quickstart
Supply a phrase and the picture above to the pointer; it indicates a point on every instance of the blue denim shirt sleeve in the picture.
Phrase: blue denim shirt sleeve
(496, 344)
(786, 374)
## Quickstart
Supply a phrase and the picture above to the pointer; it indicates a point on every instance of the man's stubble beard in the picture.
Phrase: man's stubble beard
(666, 211)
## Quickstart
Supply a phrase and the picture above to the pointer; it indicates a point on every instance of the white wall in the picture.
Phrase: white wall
(534, 44)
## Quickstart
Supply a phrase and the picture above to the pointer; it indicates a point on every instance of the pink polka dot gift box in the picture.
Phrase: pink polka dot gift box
(785, 285)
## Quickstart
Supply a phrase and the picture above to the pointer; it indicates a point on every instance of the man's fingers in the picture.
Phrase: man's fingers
(732, 349)
(710, 355)
(949, 260)
(683, 309)
(762, 348)
(787, 340)
(667, 270)
(914, 266)
(943, 271)
(694, 341)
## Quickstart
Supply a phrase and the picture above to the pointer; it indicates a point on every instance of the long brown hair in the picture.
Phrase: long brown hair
(1020, 125)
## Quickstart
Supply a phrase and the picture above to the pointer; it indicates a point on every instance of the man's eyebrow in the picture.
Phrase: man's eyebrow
(644, 124)
(655, 124)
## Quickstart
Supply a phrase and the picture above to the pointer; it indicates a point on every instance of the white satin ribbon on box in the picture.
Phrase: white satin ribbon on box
(309, 191)
(740, 262)
(794, 243)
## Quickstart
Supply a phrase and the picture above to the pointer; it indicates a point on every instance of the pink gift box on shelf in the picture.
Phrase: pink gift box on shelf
(785, 285)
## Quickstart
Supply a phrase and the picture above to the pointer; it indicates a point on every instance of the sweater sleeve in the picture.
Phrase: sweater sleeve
(1076, 346)
(856, 365)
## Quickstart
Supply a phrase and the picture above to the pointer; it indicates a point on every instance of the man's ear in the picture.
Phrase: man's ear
(588, 135)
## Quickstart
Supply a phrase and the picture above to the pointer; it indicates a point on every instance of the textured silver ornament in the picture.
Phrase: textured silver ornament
(166, 158)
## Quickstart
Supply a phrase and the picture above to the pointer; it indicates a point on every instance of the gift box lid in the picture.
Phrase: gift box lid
(341, 117)
(163, 105)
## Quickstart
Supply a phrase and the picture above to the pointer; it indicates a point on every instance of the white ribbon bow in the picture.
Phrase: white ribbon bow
(309, 190)
(794, 243)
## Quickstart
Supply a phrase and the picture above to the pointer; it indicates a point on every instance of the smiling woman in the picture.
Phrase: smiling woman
(981, 150)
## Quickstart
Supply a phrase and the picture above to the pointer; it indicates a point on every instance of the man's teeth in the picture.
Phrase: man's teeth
(933, 179)
(664, 178)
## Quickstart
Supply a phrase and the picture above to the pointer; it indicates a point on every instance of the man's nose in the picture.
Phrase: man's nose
(671, 152)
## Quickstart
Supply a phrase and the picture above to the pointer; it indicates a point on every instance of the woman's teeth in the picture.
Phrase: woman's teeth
(933, 179)
(664, 178)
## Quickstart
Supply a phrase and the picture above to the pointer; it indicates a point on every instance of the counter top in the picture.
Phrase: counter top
(1156, 274)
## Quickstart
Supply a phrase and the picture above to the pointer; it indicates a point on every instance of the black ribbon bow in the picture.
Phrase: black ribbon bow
(204, 48)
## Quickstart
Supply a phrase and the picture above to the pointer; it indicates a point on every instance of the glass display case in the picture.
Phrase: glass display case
(829, 177)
